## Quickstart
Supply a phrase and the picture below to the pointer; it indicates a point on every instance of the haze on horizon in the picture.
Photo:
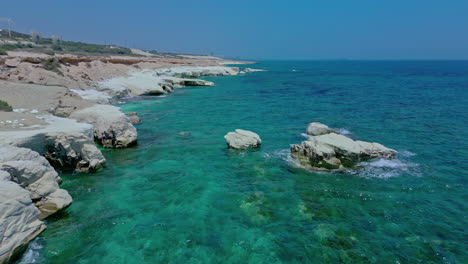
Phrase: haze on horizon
(298, 29)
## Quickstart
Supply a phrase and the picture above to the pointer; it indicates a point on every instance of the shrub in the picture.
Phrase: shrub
(3, 52)
(5, 107)
(52, 64)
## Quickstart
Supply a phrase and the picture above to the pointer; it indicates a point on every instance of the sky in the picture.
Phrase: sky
(257, 29)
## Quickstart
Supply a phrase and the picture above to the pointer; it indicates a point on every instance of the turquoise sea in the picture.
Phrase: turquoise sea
(181, 196)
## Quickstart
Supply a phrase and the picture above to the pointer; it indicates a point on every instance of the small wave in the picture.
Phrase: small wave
(406, 154)
(344, 131)
(305, 135)
(32, 254)
(383, 168)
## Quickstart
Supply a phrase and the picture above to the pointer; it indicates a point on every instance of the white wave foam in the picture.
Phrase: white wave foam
(344, 131)
(406, 154)
(32, 254)
(305, 135)
(383, 168)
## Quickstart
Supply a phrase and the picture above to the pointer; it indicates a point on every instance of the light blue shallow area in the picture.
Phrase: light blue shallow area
(181, 196)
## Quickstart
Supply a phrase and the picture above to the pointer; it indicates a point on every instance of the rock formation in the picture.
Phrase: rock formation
(317, 129)
(19, 220)
(112, 128)
(333, 151)
(34, 174)
(242, 139)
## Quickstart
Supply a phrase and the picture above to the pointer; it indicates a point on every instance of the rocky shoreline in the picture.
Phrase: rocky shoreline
(57, 118)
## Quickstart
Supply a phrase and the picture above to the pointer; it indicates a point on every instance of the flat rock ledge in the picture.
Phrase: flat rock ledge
(242, 139)
(332, 151)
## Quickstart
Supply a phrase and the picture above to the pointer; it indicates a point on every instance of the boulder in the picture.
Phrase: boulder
(317, 129)
(12, 63)
(242, 139)
(34, 174)
(333, 151)
(112, 128)
(73, 151)
(19, 220)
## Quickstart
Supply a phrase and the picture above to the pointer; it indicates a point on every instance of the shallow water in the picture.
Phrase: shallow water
(182, 197)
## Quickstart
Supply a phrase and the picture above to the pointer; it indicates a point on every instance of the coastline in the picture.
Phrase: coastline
(59, 114)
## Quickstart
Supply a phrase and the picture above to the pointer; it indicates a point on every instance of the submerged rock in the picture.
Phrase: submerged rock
(112, 128)
(242, 139)
(334, 151)
(134, 118)
(19, 220)
(317, 129)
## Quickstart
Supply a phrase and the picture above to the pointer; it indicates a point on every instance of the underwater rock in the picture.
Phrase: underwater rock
(317, 129)
(333, 151)
(242, 139)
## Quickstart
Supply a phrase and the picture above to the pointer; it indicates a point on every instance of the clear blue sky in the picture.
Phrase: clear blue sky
(259, 29)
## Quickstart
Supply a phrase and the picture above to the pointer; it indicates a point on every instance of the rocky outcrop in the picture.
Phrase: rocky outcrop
(73, 151)
(242, 139)
(333, 151)
(112, 128)
(34, 174)
(147, 82)
(19, 220)
(67, 144)
(196, 72)
(317, 129)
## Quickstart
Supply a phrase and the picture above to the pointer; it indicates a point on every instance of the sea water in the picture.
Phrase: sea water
(181, 196)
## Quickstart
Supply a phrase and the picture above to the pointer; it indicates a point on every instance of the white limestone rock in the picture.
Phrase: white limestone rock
(333, 151)
(34, 174)
(73, 151)
(242, 139)
(19, 220)
(317, 129)
(112, 128)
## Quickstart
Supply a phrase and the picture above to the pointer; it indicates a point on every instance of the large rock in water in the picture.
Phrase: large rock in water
(334, 151)
(19, 220)
(34, 174)
(317, 129)
(112, 128)
(73, 151)
(242, 139)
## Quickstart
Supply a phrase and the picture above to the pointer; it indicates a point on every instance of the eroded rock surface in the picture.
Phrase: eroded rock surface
(333, 151)
(317, 129)
(19, 220)
(242, 139)
(112, 128)
(34, 174)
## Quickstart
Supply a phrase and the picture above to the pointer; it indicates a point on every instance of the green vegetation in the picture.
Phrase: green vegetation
(3, 52)
(5, 107)
(52, 64)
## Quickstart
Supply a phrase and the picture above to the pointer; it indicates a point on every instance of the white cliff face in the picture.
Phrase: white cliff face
(112, 128)
(242, 139)
(34, 174)
(334, 151)
(19, 220)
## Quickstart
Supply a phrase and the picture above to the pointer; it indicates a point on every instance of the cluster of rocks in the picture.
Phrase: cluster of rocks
(326, 149)
(29, 192)
(329, 150)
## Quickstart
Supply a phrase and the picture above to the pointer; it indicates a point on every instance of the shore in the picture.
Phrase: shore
(61, 106)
